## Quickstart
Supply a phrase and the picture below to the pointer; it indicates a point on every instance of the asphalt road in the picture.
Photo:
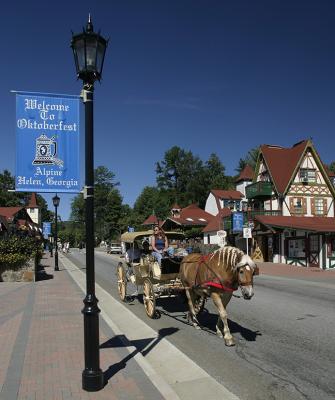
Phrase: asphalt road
(284, 335)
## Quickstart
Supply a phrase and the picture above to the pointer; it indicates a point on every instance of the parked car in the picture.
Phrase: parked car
(114, 248)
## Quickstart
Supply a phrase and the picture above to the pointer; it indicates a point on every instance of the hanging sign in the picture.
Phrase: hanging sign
(47, 143)
(237, 221)
(46, 229)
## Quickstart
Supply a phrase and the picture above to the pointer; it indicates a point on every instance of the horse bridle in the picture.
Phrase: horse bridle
(249, 283)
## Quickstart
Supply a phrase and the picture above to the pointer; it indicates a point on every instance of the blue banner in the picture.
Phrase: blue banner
(46, 229)
(47, 143)
(237, 221)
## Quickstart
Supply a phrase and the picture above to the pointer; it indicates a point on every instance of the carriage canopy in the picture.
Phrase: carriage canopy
(131, 237)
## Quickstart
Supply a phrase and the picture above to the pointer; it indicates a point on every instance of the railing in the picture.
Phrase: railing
(258, 189)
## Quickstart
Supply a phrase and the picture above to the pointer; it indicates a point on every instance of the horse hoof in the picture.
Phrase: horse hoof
(197, 326)
(229, 342)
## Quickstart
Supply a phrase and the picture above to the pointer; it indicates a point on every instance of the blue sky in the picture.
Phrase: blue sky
(208, 76)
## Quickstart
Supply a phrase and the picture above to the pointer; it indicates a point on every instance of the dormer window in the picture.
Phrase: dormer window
(307, 175)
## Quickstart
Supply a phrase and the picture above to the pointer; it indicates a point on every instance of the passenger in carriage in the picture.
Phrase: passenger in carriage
(159, 244)
(145, 247)
(133, 254)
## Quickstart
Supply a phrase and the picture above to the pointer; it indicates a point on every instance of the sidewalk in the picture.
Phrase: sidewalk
(42, 350)
(297, 272)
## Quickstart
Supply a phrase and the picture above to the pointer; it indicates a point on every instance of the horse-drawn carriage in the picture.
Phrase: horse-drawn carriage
(142, 269)
(216, 276)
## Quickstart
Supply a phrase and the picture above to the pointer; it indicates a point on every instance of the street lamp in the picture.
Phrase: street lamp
(56, 201)
(89, 52)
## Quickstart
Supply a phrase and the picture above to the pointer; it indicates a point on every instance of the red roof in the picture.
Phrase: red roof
(151, 220)
(227, 194)
(216, 222)
(192, 215)
(282, 162)
(329, 172)
(246, 174)
(33, 201)
(9, 211)
(195, 212)
(315, 224)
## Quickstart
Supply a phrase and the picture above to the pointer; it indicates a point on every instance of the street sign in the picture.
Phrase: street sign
(222, 234)
(247, 233)
(221, 238)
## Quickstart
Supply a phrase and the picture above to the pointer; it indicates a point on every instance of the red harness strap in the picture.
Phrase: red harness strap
(214, 282)
(219, 286)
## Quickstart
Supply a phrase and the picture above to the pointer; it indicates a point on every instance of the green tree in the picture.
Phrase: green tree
(14, 199)
(179, 174)
(107, 206)
(332, 166)
(9, 199)
(250, 159)
(152, 201)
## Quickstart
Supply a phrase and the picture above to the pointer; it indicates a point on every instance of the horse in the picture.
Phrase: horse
(217, 275)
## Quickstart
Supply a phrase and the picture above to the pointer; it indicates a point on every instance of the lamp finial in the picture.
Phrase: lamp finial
(89, 26)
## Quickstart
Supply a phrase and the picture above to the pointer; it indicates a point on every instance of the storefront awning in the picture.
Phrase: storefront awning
(313, 224)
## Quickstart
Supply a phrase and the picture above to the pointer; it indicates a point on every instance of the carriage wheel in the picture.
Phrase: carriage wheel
(149, 298)
(121, 282)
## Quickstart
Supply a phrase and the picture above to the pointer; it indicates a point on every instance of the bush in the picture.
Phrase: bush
(16, 251)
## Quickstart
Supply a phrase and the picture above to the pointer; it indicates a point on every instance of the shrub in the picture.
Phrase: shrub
(16, 251)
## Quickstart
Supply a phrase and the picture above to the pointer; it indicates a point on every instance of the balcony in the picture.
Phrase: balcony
(258, 189)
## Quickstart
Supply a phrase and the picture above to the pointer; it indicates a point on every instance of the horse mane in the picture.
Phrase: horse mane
(228, 256)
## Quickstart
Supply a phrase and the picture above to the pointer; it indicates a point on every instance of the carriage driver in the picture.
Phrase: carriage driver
(159, 243)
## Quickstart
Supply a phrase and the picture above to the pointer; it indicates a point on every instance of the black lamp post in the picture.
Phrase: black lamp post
(56, 201)
(89, 52)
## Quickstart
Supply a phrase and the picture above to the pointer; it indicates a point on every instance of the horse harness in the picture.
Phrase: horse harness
(212, 280)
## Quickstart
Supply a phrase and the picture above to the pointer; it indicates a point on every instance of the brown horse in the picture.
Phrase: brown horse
(217, 275)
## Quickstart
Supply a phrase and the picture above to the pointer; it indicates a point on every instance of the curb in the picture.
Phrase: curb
(186, 382)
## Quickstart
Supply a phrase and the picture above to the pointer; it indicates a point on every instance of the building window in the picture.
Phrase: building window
(331, 246)
(229, 204)
(319, 206)
(296, 248)
(314, 243)
(32, 210)
(307, 175)
(298, 205)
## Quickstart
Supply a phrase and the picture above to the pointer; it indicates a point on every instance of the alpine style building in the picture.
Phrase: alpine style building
(289, 205)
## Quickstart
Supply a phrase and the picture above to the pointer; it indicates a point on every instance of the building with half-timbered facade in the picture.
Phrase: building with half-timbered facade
(290, 207)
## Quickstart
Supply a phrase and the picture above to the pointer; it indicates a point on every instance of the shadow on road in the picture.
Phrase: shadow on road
(143, 346)
(208, 322)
